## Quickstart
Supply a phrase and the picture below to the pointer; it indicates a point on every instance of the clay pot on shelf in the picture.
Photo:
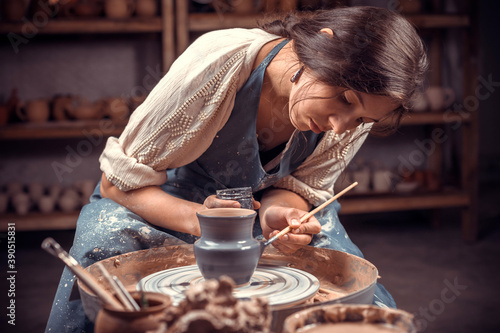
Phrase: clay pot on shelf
(118, 9)
(61, 107)
(46, 204)
(151, 319)
(55, 191)
(87, 8)
(14, 10)
(21, 203)
(146, 8)
(242, 6)
(82, 109)
(439, 98)
(36, 190)
(35, 111)
(116, 108)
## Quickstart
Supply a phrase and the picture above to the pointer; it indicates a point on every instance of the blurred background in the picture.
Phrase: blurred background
(425, 213)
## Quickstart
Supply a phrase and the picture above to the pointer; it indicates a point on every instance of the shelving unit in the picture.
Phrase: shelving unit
(163, 25)
(465, 195)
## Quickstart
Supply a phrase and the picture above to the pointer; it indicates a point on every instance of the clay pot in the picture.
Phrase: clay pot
(439, 98)
(382, 181)
(226, 245)
(35, 111)
(14, 10)
(21, 203)
(242, 6)
(146, 8)
(36, 191)
(55, 191)
(116, 108)
(82, 109)
(118, 9)
(61, 107)
(46, 204)
(87, 8)
(69, 200)
(151, 319)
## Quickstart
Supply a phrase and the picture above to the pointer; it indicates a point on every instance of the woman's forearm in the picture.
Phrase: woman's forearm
(156, 207)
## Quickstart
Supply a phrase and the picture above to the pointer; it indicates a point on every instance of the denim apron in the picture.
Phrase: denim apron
(106, 229)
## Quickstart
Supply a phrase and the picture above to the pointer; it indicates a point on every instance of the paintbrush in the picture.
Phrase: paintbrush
(52, 247)
(311, 213)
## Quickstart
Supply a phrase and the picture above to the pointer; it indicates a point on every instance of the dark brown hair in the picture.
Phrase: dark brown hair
(373, 50)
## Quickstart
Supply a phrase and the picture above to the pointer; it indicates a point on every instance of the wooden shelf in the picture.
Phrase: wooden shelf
(439, 21)
(199, 22)
(78, 26)
(433, 118)
(39, 221)
(61, 129)
(400, 202)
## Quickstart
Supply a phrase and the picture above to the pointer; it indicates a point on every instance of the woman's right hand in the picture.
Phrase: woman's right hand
(213, 202)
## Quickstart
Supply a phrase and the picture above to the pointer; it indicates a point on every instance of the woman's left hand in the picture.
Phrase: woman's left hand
(276, 218)
(213, 202)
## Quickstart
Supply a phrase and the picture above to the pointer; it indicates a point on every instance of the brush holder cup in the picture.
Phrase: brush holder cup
(150, 319)
(226, 245)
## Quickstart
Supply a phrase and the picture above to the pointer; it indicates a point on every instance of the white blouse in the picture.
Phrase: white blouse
(181, 116)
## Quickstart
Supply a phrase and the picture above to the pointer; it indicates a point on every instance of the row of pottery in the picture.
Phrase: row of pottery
(22, 199)
(68, 107)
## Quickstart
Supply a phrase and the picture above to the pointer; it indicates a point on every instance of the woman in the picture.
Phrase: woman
(282, 109)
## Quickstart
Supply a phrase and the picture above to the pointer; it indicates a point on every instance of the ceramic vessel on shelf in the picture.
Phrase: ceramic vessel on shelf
(116, 108)
(46, 204)
(226, 245)
(382, 180)
(61, 107)
(87, 8)
(118, 9)
(35, 111)
(439, 98)
(146, 8)
(36, 190)
(82, 109)
(147, 320)
(21, 203)
(242, 6)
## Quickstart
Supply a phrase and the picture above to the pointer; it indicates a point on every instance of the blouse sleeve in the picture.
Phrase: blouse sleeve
(315, 177)
(182, 114)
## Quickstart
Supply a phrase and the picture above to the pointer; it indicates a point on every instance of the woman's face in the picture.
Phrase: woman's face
(319, 107)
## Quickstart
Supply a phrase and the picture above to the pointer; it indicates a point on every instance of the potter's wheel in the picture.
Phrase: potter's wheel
(283, 286)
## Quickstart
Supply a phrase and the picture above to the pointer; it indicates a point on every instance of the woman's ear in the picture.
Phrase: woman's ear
(327, 31)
